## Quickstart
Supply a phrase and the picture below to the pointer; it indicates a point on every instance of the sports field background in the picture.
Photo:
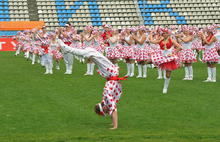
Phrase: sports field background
(60, 108)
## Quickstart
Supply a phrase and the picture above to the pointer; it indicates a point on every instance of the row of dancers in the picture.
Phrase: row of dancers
(165, 48)
(132, 44)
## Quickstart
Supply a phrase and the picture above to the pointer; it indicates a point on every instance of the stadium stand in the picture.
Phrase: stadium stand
(118, 13)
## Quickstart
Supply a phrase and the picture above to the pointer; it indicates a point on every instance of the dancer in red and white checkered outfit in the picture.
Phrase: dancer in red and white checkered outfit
(165, 60)
(112, 90)
(217, 43)
(187, 56)
(210, 56)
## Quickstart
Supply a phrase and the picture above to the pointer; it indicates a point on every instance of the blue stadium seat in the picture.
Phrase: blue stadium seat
(60, 20)
(95, 7)
(1, 16)
(93, 15)
(176, 14)
(61, 24)
(68, 11)
(89, 3)
(59, 15)
(145, 2)
(160, 10)
(6, 12)
(182, 18)
(7, 20)
(57, 3)
(150, 6)
(94, 24)
(6, 7)
(5, 3)
(141, 6)
(143, 14)
(69, 16)
(97, 15)
(142, 10)
(63, 7)
(154, 6)
(77, 7)
(90, 7)
(94, 3)
(98, 19)
(159, 6)
(140, 2)
(64, 15)
(145, 18)
(147, 10)
(164, 6)
(151, 10)
(96, 11)
(167, 2)
(171, 14)
(5, 0)
(146, 6)
(76, 3)
(177, 18)
(156, 10)
(80, 3)
(165, 10)
(162, 2)
(72, 7)
(7, 16)
(56, 0)
(170, 10)
(93, 19)
(2, 20)
(63, 11)
(1, 3)
(99, 23)
(179, 22)
(73, 11)
(62, 3)
(151, 23)
(146, 23)
(58, 7)
(148, 14)
(184, 22)
(58, 11)
(1, 12)
(149, 19)
(92, 11)
(65, 20)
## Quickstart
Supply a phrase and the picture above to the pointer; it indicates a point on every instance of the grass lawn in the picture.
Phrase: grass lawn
(60, 108)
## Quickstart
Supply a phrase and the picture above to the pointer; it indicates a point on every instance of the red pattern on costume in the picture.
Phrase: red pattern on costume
(210, 55)
(188, 56)
(217, 45)
(113, 53)
(169, 44)
(128, 52)
(112, 90)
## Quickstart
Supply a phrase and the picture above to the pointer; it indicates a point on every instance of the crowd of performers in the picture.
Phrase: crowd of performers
(167, 49)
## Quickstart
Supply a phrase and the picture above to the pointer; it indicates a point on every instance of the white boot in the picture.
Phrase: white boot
(166, 84)
(219, 60)
(186, 74)
(153, 66)
(51, 67)
(70, 68)
(31, 56)
(38, 59)
(33, 59)
(213, 74)
(209, 79)
(27, 55)
(132, 70)
(67, 69)
(128, 69)
(159, 74)
(88, 69)
(42, 62)
(58, 65)
(190, 73)
(144, 71)
(92, 68)
(139, 71)
(199, 58)
(164, 74)
(47, 68)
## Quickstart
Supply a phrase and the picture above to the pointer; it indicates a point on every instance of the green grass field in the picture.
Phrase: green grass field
(60, 108)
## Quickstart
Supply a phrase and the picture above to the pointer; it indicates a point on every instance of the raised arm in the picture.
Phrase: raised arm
(187, 39)
(205, 41)
(152, 40)
(113, 40)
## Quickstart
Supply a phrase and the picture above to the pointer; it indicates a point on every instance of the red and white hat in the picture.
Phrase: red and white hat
(67, 25)
(101, 111)
(215, 25)
(143, 28)
(172, 27)
(44, 26)
(105, 26)
(212, 29)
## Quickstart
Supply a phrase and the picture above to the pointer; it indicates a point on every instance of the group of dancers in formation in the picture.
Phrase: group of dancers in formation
(164, 48)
